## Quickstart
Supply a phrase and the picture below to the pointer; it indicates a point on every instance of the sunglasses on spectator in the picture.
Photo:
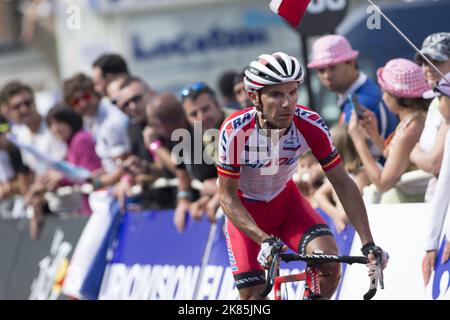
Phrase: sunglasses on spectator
(27, 103)
(135, 99)
(76, 102)
(194, 90)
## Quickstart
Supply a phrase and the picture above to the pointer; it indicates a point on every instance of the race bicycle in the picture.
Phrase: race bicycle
(310, 276)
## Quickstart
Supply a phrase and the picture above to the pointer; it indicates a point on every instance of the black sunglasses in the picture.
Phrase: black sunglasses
(27, 103)
(135, 99)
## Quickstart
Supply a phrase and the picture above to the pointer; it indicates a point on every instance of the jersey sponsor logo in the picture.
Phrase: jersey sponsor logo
(270, 162)
(302, 113)
(292, 142)
(238, 122)
(233, 264)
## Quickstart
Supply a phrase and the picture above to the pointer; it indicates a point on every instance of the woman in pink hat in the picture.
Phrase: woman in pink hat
(403, 85)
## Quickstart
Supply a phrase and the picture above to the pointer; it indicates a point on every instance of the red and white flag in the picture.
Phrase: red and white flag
(291, 10)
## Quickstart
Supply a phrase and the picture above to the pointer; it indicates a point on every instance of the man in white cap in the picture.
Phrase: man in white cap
(439, 206)
(427, 154)
(337, 68)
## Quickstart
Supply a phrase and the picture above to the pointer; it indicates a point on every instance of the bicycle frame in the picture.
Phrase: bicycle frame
(310, 276)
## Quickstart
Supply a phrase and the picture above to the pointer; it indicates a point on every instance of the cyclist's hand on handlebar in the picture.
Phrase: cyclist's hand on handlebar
(378, 260)
(269, 247)
(375, 254)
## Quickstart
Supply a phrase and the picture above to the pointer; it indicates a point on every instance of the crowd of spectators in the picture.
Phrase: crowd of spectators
(116, 126)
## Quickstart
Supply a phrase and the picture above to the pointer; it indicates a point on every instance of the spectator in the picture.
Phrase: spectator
(225, 84)
(403, 85)
(135, 94)
(240, 94)
(31, 129)
(106, 68)
(29, 126)
(326, 197)
(113, 88)
(308, 177)
(201, 106)
(67, 125)
(107, 125)
(427, 154)
(165, 115)
(14, 175)
(441, 199)
(337, 68)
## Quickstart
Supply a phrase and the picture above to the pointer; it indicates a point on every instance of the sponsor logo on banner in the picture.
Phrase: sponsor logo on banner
(441, 279)
(169, 282)
(183, 44)
(52, 270)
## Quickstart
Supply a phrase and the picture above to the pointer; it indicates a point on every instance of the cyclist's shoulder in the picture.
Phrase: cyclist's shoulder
(239, 119)
(304, 115)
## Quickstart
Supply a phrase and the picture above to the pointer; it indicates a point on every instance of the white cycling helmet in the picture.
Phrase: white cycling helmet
(272, 69)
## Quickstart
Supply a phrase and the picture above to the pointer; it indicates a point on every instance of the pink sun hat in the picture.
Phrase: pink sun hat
(402, 78)
(330, 50)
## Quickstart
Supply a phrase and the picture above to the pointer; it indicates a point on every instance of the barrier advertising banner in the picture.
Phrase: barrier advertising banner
(35, 269)
(151, 260)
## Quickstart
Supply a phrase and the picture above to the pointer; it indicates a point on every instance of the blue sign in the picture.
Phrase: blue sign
(441, 280)
(183, 44)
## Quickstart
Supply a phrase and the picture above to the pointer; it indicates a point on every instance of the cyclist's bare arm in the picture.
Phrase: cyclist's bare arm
(236, 212)
(351, 200)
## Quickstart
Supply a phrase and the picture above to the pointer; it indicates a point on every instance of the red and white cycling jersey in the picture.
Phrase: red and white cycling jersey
(264, 168)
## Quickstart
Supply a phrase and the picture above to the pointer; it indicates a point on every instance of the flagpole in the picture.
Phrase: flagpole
(409, 41)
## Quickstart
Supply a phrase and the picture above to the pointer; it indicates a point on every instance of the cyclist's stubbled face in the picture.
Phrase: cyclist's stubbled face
(278, 103)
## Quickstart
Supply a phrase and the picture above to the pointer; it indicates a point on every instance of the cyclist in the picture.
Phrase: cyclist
(258, 152)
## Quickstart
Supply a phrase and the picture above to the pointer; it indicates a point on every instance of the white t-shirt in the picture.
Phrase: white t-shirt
(440, 203)
(433, 122)
(6, 168)
(109, 127)
(44, 141)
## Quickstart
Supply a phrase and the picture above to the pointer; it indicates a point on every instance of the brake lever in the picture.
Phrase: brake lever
(376, 277)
